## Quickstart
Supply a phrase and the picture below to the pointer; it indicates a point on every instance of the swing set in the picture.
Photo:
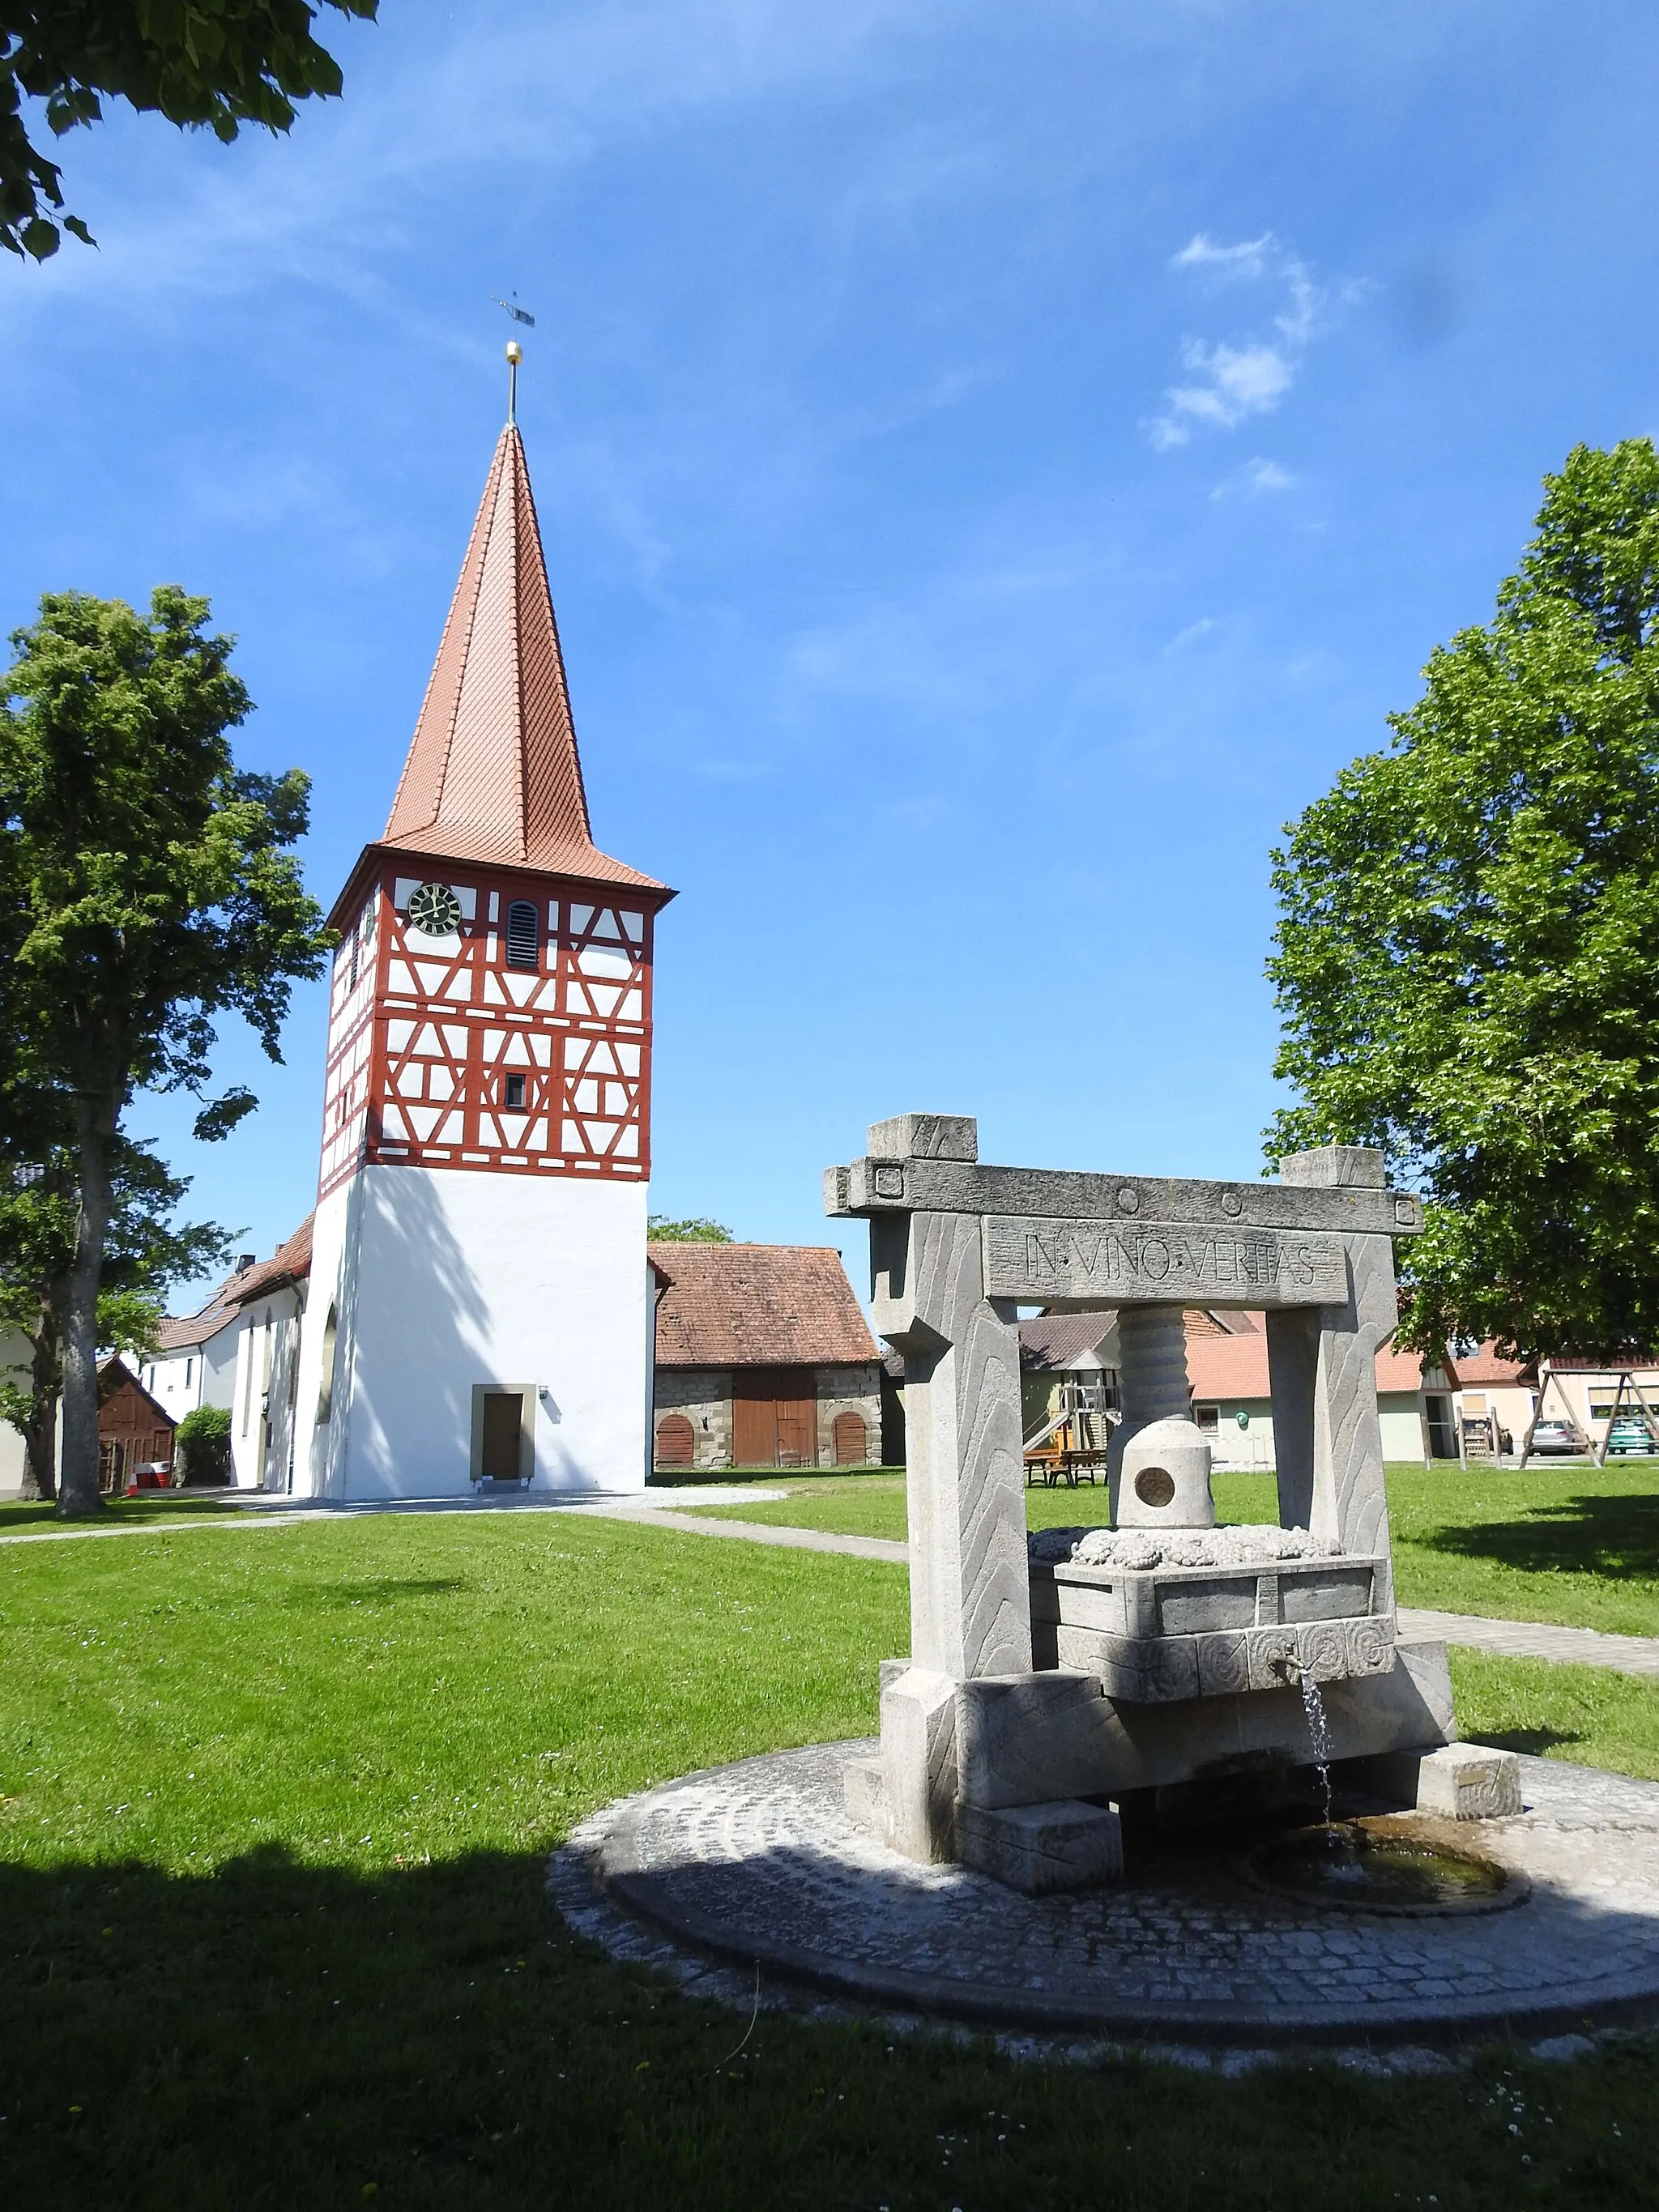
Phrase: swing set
(1637, 1409)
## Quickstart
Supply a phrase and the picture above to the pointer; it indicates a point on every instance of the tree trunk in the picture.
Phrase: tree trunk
(77, 1489)
(40, 1436)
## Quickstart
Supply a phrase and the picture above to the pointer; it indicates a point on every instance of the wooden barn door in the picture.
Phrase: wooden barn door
(775, 1417)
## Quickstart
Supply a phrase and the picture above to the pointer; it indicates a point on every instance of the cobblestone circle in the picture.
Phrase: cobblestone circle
(757, 1865)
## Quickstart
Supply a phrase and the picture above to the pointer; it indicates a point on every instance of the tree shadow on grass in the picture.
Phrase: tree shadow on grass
(1536, 1740)
(1615, 1538)
(278, 2034)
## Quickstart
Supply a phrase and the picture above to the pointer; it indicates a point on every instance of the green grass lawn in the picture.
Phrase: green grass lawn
(275, 1807)
(18, 1517)
(1577, 1545)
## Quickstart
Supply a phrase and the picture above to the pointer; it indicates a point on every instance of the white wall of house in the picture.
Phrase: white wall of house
(440, 1281)
(14, 1370)
(1512, 1404)
(196, 1375)
(266, 1378)
(1239, 1447)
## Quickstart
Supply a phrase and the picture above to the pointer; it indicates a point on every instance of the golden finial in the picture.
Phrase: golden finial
(514, 355)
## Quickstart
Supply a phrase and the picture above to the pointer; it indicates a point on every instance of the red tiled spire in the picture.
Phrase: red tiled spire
(493, 773)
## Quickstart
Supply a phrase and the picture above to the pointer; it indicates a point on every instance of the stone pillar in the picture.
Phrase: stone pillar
(1151, 1377)
(970, 1611)
(1347, 1496)
(1292, 1369)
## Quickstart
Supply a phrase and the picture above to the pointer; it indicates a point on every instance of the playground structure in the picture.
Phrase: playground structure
(1632, 1407)
(1072, 1445)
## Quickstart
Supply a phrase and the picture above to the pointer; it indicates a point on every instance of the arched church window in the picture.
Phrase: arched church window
(523, 936)
(325, 1388)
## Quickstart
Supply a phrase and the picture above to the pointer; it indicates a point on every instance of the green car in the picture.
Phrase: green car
(1630, 1438)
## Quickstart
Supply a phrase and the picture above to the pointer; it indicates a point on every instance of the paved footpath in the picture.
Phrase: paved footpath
(1536, 1639)
(761, 1532)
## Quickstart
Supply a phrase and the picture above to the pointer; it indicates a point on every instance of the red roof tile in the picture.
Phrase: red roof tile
(1056, 1339)
(492, 774)
(184, 1332)
(289, 1263)
(758, 1305)
(1237, 1366)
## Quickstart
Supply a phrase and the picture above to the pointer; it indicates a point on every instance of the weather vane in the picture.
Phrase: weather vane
(514, 352)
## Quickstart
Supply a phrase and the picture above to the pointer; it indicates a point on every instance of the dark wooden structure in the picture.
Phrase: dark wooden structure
(134, 1432)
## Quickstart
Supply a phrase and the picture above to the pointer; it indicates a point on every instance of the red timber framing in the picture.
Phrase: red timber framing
(442, 1055)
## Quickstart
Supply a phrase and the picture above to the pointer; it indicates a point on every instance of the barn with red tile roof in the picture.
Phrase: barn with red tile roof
(763, 1359)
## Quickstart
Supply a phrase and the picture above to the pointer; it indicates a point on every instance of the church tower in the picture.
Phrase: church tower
(479, 1307)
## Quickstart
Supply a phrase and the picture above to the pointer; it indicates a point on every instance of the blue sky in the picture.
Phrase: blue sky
(995, 465)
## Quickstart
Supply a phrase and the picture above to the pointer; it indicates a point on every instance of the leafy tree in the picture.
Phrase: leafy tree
(144, 1254)
(212, 64)
(697, 1229)
(202, 1441)
(1468, 951)
(145, 888)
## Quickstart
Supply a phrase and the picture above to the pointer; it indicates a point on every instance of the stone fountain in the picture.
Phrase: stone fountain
(970, 1861)
(1047, 1680)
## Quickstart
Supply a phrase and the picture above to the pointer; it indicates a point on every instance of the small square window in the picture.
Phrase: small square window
(513, 1090)
(1208, 1418)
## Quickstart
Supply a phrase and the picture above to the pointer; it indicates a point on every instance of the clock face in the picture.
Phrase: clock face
(434, 910)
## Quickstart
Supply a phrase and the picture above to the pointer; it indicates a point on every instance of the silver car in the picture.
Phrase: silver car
(1551, 1437)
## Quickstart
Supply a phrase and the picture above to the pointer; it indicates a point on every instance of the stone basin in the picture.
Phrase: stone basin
(1160, 1634)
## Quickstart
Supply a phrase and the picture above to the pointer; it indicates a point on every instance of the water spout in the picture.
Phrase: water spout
(1314, 1706)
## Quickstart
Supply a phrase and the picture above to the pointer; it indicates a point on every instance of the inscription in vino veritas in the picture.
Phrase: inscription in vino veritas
(1035, 1259)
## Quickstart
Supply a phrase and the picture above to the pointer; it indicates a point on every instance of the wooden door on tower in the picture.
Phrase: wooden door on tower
(503, 1436)
(775, 1417)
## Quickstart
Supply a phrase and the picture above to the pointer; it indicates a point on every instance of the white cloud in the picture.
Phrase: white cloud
(1267, 476)
(1248, 258)
(1191, 635)
(1240, 380)
(1250, 377)
(1257, 475)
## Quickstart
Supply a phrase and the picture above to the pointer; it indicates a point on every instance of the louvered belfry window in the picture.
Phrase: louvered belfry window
(523, 945)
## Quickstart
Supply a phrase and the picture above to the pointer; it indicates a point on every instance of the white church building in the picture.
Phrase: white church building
(478, 1308)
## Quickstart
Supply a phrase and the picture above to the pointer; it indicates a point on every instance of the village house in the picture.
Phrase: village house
(194, 1363)
(1070, 1361)
(763, 1359)
(270, 1303)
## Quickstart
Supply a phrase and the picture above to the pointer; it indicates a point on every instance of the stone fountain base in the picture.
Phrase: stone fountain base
(758, 1865)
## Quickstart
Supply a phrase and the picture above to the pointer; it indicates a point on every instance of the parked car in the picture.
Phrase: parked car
(1631, 1438)
(1557, 1436)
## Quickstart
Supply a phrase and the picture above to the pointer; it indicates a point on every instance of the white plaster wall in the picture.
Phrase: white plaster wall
(261, 1425)
(14, 1370)
(1405, 1431)
(1405, 1435)
(211, 1368)
(446, 1279)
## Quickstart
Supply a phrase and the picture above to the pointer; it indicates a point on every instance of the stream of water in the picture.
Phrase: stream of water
(1314, 1705)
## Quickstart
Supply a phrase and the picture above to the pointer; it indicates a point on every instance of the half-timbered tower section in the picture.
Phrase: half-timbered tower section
(479, 1308)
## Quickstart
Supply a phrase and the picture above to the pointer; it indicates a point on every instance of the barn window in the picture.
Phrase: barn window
(523, 936)
(513, 1090)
